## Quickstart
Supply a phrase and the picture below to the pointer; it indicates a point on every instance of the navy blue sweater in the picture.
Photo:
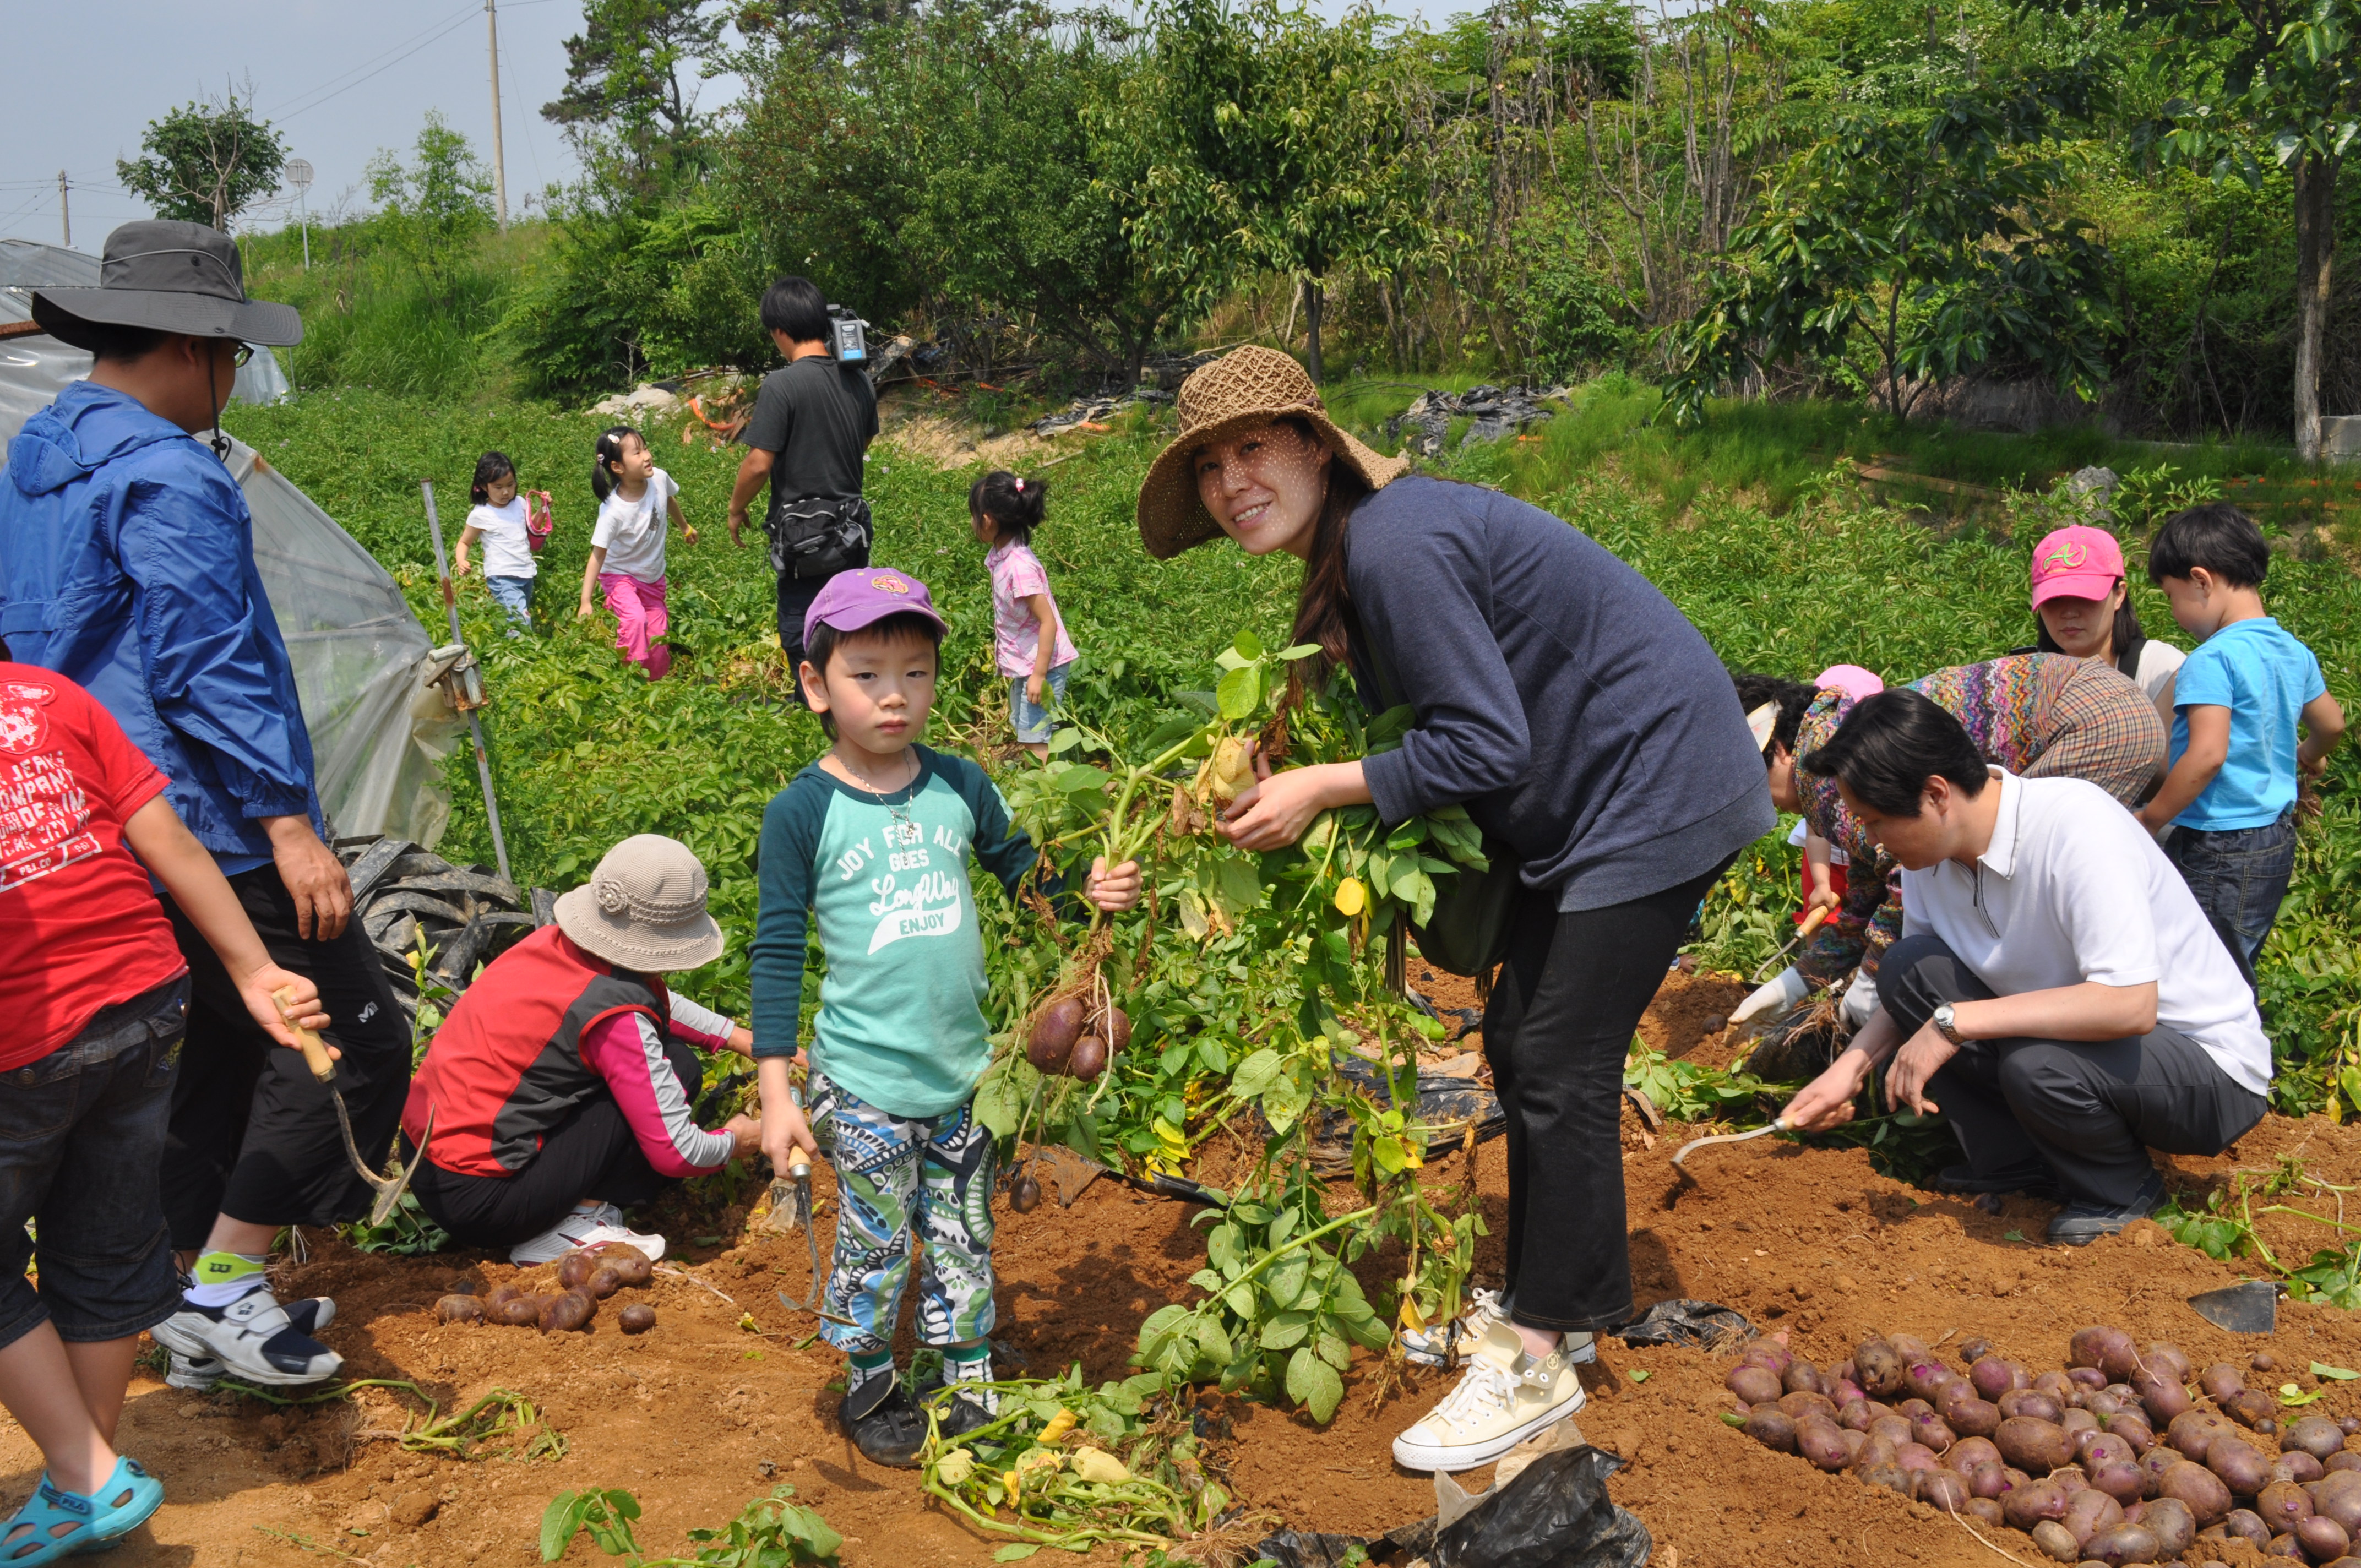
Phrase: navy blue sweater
(1579, 716)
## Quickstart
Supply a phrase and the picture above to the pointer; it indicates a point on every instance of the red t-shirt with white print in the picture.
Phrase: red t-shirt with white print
(79, 921)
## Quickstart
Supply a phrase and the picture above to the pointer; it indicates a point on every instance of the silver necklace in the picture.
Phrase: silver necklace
(898, 811)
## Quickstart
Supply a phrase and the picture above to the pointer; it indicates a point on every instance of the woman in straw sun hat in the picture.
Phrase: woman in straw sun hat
(1586, 727)
(562, 1082)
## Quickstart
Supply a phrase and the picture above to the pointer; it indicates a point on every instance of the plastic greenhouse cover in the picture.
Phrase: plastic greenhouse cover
(378, 735)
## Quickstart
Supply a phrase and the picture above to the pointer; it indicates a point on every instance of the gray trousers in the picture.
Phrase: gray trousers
(2085, 1111)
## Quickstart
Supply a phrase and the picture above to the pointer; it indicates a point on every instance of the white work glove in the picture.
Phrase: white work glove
(1860, 998)
(1776, 995)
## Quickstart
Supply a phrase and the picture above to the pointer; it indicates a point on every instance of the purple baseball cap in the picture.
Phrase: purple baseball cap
(850, 600)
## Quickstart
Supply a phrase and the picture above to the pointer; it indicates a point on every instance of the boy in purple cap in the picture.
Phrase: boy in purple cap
(874, 840)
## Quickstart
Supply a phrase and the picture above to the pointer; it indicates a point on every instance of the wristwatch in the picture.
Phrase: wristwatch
(1946, 1024)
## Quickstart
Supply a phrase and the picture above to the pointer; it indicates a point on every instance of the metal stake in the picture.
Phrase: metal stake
(474, 725)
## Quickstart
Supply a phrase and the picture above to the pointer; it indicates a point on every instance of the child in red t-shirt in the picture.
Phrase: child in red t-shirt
(93, 999)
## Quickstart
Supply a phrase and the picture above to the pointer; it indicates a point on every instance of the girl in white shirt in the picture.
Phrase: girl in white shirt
(627, 548)
(498, 520)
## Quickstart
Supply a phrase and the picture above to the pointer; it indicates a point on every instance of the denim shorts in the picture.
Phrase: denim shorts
(1033, 724)
(2240, 875)
(81, 1139)
(513, 595)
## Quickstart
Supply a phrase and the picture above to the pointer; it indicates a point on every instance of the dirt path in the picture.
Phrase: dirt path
(702, 1414)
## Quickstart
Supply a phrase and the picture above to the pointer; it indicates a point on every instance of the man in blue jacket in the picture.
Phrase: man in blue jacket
(126, 564)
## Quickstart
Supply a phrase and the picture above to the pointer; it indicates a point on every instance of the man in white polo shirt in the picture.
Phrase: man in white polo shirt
(2056, 994)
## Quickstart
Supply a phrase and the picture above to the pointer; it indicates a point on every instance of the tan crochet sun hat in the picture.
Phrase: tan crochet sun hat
(643, 908)
(1243, 388)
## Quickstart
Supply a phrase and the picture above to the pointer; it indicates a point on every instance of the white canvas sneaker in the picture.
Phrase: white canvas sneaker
(601, 1226)
(252, 1337)
(1505, 1396)
(1437, 1343)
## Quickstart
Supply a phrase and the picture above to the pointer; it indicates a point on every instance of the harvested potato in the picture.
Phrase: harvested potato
(456, 1309)
(636, 1319)
(628, 1261)
(570, 1309)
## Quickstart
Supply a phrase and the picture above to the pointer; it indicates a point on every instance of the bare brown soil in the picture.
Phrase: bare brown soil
(717, 1404)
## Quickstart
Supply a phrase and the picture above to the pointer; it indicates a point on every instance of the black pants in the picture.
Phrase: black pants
(2087, 1111)
(253, 1136)
(591, 1154)
(795, 595)
(1556, 1031)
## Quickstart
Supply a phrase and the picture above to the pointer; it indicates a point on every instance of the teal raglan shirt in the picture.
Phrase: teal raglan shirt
(901, 1008)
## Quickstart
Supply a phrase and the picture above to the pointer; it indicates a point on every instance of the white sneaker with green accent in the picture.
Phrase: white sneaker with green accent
(596, 1227)
(1438, 1344)
(1504, 1397)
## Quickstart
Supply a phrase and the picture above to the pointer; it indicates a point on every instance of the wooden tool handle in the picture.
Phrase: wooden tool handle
(316, 1050)
(1814, 921)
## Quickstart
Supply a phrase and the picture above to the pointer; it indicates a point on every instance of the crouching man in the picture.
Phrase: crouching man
(2055, 993)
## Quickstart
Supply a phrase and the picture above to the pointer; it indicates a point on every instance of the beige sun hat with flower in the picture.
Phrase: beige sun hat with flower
(643, 908)
(1246, 387)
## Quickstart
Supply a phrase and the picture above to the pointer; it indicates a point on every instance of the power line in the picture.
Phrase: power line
(326, 91)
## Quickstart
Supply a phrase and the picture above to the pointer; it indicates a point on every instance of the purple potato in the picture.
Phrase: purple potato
(1845, 1392)
(2029, 1505)
(1988, 1479)
(460, 1309)
(2282, 1505)
(2194, 1430)
(2298, 1466)
(2160, 1396)
(2243, 1470)
(2323, 1538)
(1894, 1430)
(1770, 1426)
(1970, 1452)
(2168, 1359)
(2096, 1448)
(636, 1319)
(2244, 1524)
(2125, 1482)
(2251, 1408)
(1822, 1443)
(2122, 1543)
(2059, 1387)
(1913, 1408)
(1854, 1442)
(2089, 1378)
(1941, 1488)
(2090, 1511)
(2207, 1497)
(2169, 1520)
(1756, 1385)
(1879, 1365)
(2348, 1425)
(2030, 1402)
(2108, 1349)
(2133, 1428)
(1772, 1358)
(2101, 1404)
(1799, 1405)
(1984, 1511)
(1925, 1380)
(1910, 1347)
(2076, 1422)
(1973, 1418)
(2221, 1381)
(2341, 1504)
(2158, 1460)
(1892, 1478)
(2285, 1546)
(1875, 1454)
(2315, 1435)
(2034, 1445)
(1916, 1456)
(1934, 1433)
(2057, 1541)
(1854, 1415)
(2340, 1463)
(1992, 1377)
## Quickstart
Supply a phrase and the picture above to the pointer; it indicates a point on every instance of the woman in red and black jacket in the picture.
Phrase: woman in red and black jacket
(562, 1087)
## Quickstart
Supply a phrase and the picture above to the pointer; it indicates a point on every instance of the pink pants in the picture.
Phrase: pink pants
(639, 620)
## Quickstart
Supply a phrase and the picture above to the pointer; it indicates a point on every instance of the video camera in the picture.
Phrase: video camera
(850, 337)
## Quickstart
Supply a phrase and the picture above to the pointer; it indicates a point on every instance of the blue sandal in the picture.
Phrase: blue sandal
(53, 1523)
(141, 1495)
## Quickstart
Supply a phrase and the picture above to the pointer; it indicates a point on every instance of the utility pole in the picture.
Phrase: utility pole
(500, 159)
(65, 214)
(298, 172)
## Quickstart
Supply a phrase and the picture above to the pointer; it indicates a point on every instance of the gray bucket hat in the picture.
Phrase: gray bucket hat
(166, 276)
(643, 908)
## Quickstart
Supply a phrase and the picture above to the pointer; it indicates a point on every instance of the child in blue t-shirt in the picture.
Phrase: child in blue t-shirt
(2237, 701)
(874, 839)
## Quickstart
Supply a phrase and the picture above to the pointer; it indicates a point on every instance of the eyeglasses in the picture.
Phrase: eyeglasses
(245, 352)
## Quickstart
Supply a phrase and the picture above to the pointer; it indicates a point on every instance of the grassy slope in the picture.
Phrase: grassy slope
(589, 752)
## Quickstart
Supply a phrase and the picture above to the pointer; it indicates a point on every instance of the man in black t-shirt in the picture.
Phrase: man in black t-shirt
(812, 421)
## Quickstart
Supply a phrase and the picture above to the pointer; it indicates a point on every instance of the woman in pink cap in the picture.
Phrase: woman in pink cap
(2086, 611)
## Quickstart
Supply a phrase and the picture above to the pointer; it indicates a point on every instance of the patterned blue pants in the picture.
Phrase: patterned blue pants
(894, 1176)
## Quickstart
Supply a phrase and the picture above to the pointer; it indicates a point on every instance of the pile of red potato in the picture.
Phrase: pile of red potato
(585, 1279)
(2113, 1459)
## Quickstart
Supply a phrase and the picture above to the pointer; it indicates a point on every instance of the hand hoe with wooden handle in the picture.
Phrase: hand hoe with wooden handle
(390, 1189)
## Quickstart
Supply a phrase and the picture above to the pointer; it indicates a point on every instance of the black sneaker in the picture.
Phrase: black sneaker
(883, 1423)
(2079, 1225)
(2033, 1180)
(960, 1406)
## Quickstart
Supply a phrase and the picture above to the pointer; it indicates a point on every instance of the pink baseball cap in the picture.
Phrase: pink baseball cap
(1850, 679)
(2079, 562)
(850, 600)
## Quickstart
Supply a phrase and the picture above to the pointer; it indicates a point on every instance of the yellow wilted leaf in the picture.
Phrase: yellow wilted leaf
(1412, 1319)
(1059, 1425)
(1232, 768)
(1352, 896)
(1091, 1464)
(954, 1468)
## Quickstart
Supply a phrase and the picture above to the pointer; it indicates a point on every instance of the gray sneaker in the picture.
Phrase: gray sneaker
(2079, 1225)
(253, 1337)
(198, 1374)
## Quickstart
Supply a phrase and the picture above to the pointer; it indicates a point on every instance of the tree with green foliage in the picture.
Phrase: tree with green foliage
(2271, 82)
(1277, 142)
(630, 100)
(1932, 236)
(431, 209)
(206, 161)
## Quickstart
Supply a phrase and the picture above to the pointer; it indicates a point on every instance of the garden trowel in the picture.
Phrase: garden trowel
(2251, 1308)
(390, 1189)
